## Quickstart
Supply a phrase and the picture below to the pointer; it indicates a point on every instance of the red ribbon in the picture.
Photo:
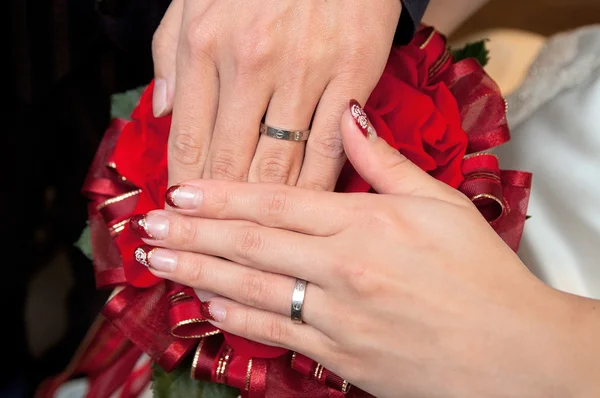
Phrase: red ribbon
(164, 320)
(482, 107)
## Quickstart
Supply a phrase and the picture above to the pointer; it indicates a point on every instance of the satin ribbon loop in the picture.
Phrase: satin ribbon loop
(433, 46)
(312, 369)
(102, 183)
(483, 185)
(481, 104)
(204, 362)
(258, 378)
(184, 316)
(141, 315)
(119, 207)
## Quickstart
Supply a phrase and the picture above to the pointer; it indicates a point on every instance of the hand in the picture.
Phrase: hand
(224, 65)
(410, 293)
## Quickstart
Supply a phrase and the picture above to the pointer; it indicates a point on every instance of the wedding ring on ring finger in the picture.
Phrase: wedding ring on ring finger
(298, 300)
(281, 134)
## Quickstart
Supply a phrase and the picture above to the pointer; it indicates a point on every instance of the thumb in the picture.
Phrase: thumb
(164, 53)
(383, 167)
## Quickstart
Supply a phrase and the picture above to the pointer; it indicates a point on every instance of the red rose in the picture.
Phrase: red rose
(415, 112)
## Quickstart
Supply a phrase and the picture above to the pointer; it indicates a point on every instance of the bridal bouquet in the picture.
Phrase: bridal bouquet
(440, 112)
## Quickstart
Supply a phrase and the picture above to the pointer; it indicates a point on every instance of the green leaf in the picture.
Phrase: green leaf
(527, 217)
(178, 384)
(84, 243)
(122, 104)
(475, 50)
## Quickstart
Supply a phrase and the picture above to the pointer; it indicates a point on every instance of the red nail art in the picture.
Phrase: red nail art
(205, 311)
(361, 119)
(137, 224)
(142, 254)
(170, 195)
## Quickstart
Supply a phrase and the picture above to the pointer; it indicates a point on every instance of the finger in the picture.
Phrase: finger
(195, 100)
(271, 205)
(255, 288)
(277, 160)
(164, 51)
(242, 104)
(271, 329)
(383, 167)
(324, 156)
(267, 249)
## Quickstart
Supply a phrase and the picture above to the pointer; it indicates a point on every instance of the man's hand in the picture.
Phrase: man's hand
(222, 66)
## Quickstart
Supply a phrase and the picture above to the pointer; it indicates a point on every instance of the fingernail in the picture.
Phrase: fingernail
(213, 311)
(159, 259)
(159, 97)
(151, 225)
(361, 120)
(203, 295)
(183, 196)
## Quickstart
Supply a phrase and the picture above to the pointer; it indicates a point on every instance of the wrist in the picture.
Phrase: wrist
(581, 359)
(564, 357)
(558, 352)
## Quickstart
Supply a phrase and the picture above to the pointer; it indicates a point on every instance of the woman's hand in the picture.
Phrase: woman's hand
(410, 293)
(222, 66)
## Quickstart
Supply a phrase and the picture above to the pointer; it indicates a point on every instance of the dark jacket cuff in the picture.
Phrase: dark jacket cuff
(410, 18)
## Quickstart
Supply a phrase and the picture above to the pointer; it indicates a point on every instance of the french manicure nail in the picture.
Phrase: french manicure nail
(159, 97)
(361, 120)
(150, 226)
(184, 196)
(142, 253)
(159, 259)
(212, 311)
(203, 295)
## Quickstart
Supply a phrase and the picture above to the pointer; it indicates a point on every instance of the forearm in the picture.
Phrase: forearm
(448, 15)
(582, 367)
(548, 348)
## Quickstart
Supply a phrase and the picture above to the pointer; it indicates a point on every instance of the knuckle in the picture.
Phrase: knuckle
(360, 280)
(184, 232)
(274, 168)
(358, 49)
(329, 146)
(337, 266)
(274, 203)
(357, 277)
(382, 220)
(198, 39)
(252, 51)
(195, 275)
(320, 182)
(277, 331)
(248, 326)
(247, 242)
(218, 201)
(224, 166)
(185, 149)
(252, 289)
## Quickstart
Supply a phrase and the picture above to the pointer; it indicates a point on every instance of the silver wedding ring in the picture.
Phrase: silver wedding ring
(280, 134)
(298, 300)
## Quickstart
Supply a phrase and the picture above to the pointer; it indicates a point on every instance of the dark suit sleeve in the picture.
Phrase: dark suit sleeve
(410, 18)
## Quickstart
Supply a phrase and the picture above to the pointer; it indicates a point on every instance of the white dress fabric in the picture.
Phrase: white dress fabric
(555, 126)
